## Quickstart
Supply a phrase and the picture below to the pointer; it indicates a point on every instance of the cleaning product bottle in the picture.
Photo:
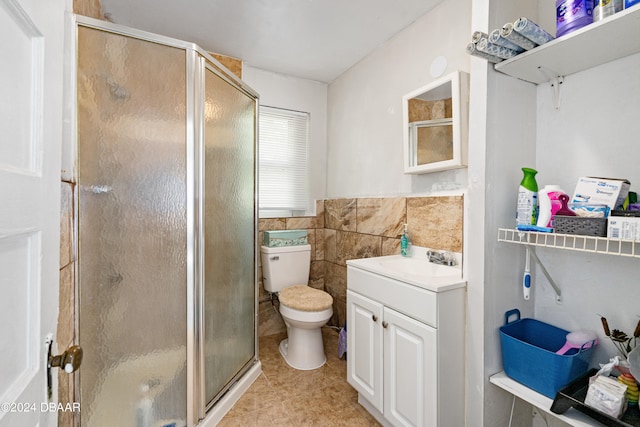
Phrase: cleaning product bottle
(405, 250)
(549, 203)
(527, 198)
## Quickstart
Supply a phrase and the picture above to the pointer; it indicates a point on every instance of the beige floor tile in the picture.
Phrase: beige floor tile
(287, 397)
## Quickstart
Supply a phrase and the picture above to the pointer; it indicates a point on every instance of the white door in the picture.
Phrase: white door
(31, 78)
(410, 374)
(364, 347)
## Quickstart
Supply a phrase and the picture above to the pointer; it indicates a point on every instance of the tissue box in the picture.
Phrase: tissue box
(623, 227)
(279, 238)
(607, 191)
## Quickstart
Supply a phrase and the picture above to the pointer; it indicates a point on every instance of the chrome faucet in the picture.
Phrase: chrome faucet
(442, 258)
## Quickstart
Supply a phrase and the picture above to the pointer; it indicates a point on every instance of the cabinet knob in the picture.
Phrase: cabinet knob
(384, 324)
(374, 317)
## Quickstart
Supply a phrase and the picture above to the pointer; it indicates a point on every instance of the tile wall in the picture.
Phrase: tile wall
(346, 229)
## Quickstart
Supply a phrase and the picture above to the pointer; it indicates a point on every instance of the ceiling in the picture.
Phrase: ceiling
(311, 39)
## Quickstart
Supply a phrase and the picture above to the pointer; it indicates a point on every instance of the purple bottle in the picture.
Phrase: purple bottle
(572, 14)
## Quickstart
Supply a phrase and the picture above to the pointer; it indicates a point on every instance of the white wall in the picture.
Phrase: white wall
(502, 140)
(598, 116)
(365, 108)
(595, 133)
(277, 90)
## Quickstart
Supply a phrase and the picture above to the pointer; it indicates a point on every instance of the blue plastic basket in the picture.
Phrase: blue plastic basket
(528, 354)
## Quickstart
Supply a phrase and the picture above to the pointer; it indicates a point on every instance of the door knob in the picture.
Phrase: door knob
(385, 324)
(374, 317)
(70, 360)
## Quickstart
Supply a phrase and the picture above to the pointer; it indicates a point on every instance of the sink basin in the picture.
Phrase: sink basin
(414, 270)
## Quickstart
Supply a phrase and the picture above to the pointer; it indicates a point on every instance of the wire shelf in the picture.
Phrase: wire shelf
(574, 242)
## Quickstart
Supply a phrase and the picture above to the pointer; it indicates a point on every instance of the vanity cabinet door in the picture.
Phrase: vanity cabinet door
(364, 351)
(410, 371)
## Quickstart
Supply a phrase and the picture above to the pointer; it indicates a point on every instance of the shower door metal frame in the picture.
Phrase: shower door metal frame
(196, 60)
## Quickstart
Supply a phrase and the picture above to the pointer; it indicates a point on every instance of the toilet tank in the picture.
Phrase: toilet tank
(285, 266)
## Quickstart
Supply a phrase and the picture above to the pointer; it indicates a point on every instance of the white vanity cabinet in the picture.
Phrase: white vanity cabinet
(405, 347)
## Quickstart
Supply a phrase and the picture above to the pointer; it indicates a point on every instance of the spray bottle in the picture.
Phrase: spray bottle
(527, 198)
(549, 203)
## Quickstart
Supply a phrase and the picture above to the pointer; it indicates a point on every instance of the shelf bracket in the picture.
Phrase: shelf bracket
(555, 82)
(546, 274)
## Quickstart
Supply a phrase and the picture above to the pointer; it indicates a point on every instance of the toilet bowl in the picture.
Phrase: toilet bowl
(304, 309)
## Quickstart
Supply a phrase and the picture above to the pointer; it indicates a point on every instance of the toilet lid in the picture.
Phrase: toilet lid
(305, 298)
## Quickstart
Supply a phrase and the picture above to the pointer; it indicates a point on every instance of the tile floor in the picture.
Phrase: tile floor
(283, 396)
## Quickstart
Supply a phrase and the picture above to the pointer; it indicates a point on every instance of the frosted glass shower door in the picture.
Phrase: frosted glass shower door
(229, 239)
(132, 253)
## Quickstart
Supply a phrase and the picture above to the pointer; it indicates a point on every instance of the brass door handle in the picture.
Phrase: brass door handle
(70, 360)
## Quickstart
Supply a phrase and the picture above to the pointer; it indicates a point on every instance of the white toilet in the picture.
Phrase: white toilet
(305, 310)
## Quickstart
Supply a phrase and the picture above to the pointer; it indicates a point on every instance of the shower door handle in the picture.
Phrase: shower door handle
(97, 189)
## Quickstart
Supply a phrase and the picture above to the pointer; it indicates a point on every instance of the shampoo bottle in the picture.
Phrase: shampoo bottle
(549, 203)
(405, 249)
(527, 198)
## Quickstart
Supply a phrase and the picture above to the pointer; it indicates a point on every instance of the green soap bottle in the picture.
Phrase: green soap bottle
(527, 208)
(405, 249)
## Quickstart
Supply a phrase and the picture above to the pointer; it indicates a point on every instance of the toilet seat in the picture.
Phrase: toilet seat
(304, 311)
(305, 298)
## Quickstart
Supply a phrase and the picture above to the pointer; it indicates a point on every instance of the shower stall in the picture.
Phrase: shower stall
(164, 162)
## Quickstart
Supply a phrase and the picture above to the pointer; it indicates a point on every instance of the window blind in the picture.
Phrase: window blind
(282, 161)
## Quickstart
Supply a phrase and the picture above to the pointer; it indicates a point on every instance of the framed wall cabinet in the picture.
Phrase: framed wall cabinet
(436, 122)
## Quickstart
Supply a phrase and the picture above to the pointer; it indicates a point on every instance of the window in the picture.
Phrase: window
(282, 164)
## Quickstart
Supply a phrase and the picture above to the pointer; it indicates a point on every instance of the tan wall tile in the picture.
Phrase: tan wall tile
(420, 110)
(319, 213)
(311, 239)
(316, 274)
(319, 244)
(436, 222)
(382, 216)
(269, 320)
(297, 223)
(340, 214)
(330, 241)
(90, 8)
(232, 64)
(66, 223)
(66, 314)
(266, 224)
(390, 246)
(355, 245)
(335, 280)
(339, 316)
(65, 396)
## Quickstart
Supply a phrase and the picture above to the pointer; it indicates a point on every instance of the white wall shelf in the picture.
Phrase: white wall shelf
(609, 39)
(573, 417)
(574, 242)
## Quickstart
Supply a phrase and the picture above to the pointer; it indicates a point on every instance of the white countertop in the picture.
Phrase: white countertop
(417, 271)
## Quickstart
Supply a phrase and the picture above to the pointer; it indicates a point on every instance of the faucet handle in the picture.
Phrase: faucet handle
(441, 257)
(449, 259)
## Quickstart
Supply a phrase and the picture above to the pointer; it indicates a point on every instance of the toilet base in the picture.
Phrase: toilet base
(303, 349)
